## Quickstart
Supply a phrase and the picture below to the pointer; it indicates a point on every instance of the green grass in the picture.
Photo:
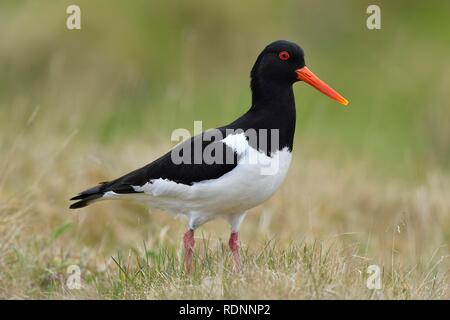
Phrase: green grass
(319, 269)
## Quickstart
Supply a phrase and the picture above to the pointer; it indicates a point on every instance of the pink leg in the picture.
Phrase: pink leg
(189, 242)
(234, 246)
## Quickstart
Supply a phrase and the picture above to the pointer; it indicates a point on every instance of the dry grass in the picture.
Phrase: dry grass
(314, 239)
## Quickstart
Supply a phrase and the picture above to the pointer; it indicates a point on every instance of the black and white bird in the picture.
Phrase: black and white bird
(224, 172)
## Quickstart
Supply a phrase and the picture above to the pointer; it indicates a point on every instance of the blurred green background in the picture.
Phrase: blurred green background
(137, 70)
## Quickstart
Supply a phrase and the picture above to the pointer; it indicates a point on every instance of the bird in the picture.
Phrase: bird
(224, 172)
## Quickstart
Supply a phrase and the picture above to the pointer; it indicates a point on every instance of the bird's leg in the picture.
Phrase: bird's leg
(235, 221)
(234, 246)
(189, 242)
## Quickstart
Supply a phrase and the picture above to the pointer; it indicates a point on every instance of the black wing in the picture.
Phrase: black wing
(192, 168)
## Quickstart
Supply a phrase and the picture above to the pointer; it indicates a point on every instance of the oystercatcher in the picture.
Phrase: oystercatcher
(224, 172)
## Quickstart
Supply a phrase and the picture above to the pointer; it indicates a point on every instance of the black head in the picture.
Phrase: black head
(277, 63)
(281, 64)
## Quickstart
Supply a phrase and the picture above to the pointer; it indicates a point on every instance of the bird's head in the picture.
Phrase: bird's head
(282, 63)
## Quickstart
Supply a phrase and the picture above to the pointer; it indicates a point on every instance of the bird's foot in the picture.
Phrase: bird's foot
(189, 243)
(234, 246)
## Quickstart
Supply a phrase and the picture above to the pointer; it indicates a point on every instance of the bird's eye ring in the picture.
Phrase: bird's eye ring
(284, 55)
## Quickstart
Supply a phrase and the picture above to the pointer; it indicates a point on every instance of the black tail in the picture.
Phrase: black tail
(87, 197)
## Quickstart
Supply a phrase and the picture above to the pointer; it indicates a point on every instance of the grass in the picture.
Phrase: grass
(314, 239)
(368, 185)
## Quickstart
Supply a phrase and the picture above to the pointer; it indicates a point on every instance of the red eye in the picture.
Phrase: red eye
(283, 55)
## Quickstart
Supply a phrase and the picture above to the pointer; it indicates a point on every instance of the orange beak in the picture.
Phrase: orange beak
(310, 78)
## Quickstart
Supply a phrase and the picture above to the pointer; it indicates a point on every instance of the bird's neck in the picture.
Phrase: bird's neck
(267, 94)
(273, 107)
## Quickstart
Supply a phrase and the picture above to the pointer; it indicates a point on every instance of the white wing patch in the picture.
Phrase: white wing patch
(237, 142)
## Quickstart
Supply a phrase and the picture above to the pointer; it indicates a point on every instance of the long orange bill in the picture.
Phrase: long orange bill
(310, 78)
